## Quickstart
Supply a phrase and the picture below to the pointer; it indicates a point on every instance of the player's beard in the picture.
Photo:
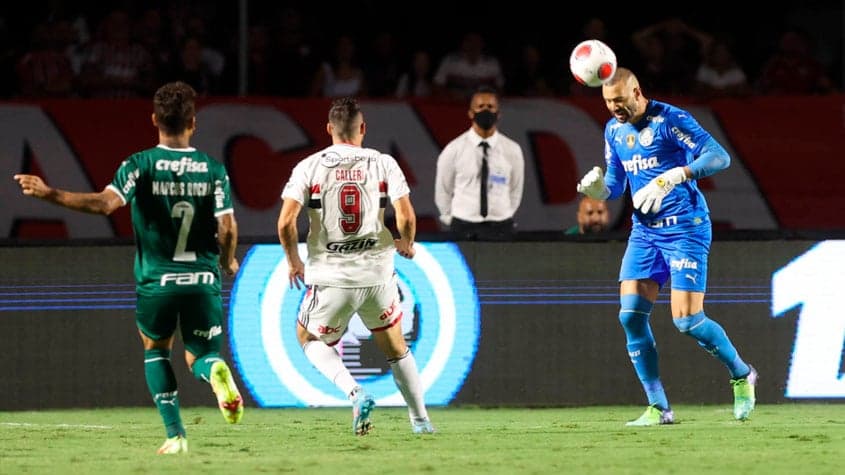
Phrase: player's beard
(624, 113)
(593, 228)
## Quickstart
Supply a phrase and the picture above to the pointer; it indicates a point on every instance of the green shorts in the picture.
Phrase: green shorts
(199, 316)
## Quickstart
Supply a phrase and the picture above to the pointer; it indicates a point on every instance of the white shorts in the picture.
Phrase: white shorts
(325, 311)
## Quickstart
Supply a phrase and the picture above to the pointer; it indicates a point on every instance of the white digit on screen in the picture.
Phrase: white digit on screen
(183, 210)
(814, 280)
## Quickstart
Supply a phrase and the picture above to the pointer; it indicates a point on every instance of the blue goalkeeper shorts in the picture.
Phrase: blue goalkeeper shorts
(679, 252)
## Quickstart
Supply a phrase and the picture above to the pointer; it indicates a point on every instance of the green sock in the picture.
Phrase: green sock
(162, 385)
(202, 366)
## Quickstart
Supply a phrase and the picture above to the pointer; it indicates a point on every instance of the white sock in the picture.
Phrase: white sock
(407, 379)
(328, 362)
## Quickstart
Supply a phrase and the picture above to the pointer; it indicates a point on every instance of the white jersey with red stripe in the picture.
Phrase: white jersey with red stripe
(346, 189)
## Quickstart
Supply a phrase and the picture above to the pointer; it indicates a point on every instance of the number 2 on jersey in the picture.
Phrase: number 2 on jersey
(350, 208)
(183, 210)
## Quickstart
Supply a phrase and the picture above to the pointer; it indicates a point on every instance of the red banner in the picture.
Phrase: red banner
(786, 172)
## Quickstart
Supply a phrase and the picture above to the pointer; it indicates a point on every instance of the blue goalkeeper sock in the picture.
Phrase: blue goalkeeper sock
(641, 347)
(712, 337)
(162, 385)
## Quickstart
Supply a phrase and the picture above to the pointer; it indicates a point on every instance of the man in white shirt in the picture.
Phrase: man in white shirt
(350, 265)
(480, 176)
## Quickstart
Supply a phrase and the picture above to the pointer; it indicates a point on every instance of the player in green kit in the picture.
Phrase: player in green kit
(184, 225)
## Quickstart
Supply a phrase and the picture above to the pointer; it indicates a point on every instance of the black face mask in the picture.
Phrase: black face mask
(486, 119)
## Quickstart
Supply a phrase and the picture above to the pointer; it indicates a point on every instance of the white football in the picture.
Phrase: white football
(592, 63)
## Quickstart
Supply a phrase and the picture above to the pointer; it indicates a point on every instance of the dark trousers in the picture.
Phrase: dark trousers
(483, 231)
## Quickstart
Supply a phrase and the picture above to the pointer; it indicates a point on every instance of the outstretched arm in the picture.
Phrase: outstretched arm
(104, 202)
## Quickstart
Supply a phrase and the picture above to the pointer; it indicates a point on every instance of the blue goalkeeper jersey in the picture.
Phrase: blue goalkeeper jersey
(665, 137)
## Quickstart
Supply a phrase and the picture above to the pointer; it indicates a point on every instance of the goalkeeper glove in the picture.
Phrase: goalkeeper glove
(593, 185)
(649, 198)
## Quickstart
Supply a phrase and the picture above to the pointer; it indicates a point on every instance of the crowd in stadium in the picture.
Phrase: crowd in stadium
(129, 48)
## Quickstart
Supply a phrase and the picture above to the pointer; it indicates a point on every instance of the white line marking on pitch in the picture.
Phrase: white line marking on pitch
(60, 426)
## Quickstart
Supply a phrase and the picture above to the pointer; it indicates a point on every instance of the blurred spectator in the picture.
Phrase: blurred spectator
(149, 31)
(342, 76)
(529, 76)
(45, 70)
(720, 75)
(190, 19)
(191, 69)
(671, 52)
(117, 67)
(258, 61)
(594, 28)
(382, 68)
(462, 72)
(74, 36)
(793, 69)
(592, 216)
(294, 63)
(8, 62)
(214, 59)
(416, 82)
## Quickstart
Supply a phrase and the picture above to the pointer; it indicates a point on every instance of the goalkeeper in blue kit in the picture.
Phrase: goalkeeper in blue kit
(659, 150)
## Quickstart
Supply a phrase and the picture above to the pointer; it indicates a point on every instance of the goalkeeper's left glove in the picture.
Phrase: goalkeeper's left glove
(593, 184)
(649, 198)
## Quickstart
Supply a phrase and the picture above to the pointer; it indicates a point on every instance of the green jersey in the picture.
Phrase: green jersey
(176, 197)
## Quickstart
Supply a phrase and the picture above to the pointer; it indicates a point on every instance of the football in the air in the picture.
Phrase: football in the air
(592, 63)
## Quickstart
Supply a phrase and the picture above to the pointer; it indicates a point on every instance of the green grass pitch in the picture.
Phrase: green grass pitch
(779, 439)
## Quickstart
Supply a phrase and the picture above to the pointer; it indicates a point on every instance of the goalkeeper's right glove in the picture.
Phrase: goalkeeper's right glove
(593, 185)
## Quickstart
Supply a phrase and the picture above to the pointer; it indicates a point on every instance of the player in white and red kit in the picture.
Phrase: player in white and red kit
(350, 264)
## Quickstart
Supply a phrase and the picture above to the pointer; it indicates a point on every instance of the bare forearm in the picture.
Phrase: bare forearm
(286, 231)
(286, 228)
(406, 219)
(86, 202)
(289, 238)
(227, 238)
(407, 228)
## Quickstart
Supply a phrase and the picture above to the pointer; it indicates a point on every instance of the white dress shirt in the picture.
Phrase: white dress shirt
(458, 183)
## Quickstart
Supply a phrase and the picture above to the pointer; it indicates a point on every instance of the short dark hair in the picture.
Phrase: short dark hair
(342, 115)
(486, 89)
(173, 106)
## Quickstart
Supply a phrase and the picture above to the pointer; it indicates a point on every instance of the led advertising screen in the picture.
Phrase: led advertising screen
(516, 323)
